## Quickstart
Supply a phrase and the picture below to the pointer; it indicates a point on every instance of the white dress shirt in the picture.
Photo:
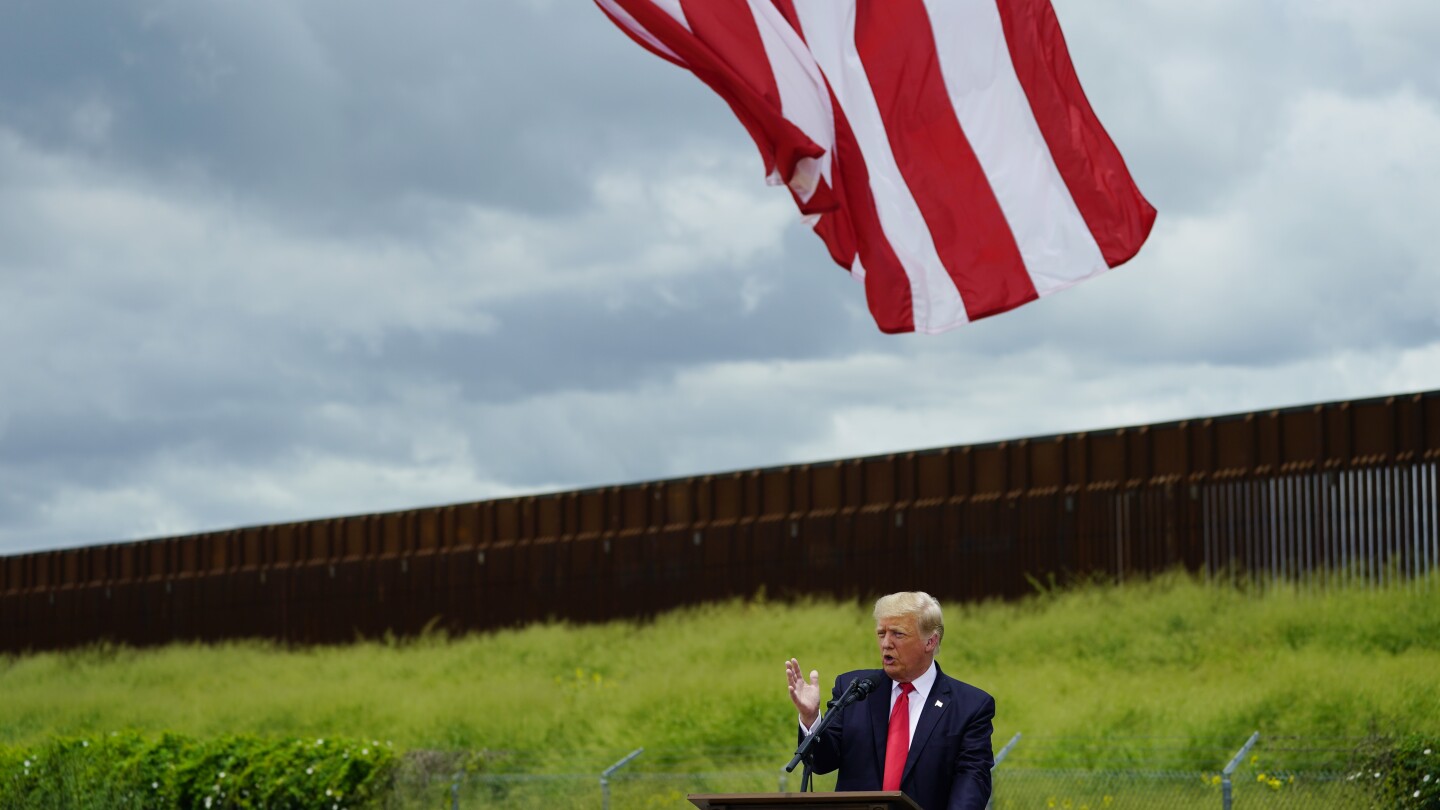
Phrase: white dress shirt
(923, 685)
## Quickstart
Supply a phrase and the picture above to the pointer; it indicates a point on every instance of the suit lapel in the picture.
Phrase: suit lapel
(937, 702)
(878, 706)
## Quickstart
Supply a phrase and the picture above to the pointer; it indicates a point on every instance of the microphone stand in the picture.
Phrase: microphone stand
(832, 711)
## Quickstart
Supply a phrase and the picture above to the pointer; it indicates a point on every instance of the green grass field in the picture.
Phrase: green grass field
(1168, 658)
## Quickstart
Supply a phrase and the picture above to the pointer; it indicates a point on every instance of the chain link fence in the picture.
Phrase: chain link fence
(1032, 771)
(1273, 773)
(643, 778)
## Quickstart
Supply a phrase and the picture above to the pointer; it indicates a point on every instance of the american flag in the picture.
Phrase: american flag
(942, 149)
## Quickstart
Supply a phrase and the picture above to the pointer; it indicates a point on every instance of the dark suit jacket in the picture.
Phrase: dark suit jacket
(948, 767)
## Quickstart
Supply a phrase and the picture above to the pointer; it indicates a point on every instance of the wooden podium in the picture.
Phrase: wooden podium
(851, 800)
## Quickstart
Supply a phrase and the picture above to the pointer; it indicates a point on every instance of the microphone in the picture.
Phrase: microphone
(865, 685)
(856, 691)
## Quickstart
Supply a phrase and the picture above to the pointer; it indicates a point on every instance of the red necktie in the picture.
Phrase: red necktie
(897, 741)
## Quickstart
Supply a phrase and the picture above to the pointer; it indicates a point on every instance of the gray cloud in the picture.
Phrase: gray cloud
(342, 112)
(262, 262)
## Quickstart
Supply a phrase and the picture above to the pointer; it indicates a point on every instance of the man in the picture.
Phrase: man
(920, 731)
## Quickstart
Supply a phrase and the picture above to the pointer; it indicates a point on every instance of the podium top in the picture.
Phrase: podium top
(847, 800)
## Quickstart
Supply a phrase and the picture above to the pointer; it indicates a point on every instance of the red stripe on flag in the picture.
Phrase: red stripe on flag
(825, 199)
(787, 10)
(781, 143)
(887, 287)
(897, 47)
(728, 26)
(638, 39)
(1118, 216)
(853, 228)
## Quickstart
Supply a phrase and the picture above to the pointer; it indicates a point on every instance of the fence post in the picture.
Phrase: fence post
(783, 773)
(455, 790)
(1229, 769)
(605, 777)
(999, 758)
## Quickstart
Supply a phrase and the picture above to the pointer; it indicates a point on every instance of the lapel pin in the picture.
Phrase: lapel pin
(938, 704)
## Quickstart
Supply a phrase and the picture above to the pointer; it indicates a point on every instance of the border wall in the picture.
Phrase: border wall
(1339, 490)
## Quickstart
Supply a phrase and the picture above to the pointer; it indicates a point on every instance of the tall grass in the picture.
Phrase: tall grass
(1169, 657)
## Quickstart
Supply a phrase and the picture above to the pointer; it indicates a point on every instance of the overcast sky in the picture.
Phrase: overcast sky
(279, 259)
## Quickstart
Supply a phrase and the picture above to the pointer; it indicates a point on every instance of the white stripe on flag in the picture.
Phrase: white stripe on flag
(672, 7)
(804, 99)
(829, 27)
(1057, 246)
(637, 29)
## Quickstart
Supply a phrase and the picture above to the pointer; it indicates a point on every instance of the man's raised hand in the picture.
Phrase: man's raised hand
(805, 695)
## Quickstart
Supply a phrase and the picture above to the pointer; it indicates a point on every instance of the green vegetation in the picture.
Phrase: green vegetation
(1406, 771)
(1170, 658)
(129, 770)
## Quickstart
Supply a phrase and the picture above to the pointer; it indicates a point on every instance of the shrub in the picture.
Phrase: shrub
(241, 772)
(1404, 772)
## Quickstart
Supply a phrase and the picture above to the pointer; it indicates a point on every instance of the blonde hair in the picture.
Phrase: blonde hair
(922, 606)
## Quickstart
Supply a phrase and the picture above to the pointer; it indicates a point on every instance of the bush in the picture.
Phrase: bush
(242, 772)
(1404, 772)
